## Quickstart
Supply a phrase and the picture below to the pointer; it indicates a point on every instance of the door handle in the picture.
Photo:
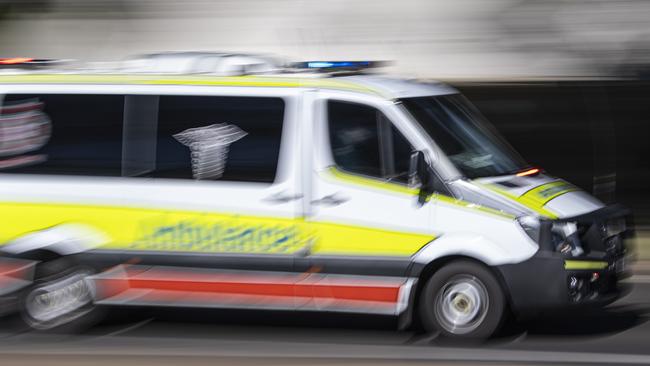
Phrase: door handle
(282, 197)
(334, 199)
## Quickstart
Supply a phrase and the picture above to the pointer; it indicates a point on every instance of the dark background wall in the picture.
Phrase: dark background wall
(592, 133)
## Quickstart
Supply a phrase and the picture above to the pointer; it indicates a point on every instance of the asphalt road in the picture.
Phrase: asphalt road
(620, 334)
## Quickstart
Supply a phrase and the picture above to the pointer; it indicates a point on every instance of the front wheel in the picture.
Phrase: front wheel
(462, 300)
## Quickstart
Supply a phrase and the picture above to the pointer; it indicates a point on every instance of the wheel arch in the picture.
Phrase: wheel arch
(60, 240)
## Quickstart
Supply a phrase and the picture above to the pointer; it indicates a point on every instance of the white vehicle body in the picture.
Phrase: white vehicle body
(347, 230)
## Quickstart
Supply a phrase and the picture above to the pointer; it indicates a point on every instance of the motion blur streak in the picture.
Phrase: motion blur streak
(265, 199)
(14, 274)
(17, 60)
(133, 285)
(442, 39)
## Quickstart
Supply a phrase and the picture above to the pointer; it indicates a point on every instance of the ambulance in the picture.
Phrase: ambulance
(317, 187)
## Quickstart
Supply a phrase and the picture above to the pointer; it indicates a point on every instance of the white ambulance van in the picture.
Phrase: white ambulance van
(329, 190)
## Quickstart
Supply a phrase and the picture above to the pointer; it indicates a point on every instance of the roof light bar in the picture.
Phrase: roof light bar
(338, 65)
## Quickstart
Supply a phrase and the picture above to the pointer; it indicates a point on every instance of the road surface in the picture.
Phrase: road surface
(618, 335)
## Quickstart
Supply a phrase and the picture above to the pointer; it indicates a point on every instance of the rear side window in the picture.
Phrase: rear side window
(61, 134)
(364, 141)
(219, 138)
(181, 137)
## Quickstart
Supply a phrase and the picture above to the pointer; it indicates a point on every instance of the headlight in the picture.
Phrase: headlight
(561, 237)
(569, 238)
(531, 226)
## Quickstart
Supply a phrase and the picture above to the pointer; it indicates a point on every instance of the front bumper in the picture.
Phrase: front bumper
(549, 281)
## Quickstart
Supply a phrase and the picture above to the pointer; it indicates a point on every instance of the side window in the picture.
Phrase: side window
(365, 142)
(65, 134)
(219, 138)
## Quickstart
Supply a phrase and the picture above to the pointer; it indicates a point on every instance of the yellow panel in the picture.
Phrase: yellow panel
(241, 81)
(189, 231)
(543, 194)
(354, 240)
(144, 229)
(528, 201)
(374, 183)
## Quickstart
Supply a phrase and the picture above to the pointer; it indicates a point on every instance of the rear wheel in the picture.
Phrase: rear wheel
(462, 300)
(60, 298)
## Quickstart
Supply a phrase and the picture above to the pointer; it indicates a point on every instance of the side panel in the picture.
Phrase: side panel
(199, 243)
(155, 220)
(193, 287)
(143, 213)
(124, 228)
(366, 229)
(357, 215)
(469, 230)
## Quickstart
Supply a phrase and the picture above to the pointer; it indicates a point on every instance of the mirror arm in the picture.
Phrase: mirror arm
(420, 171)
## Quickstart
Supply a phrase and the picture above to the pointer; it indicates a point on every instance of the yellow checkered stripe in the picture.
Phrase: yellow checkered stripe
(541, 195)
(373, 183)
(237, 81)
(537, 198)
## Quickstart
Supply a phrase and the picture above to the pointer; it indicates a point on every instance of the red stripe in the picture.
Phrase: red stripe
(300, 285)
(348, 292)
(157, 297)
(219, 287)
(381, 294)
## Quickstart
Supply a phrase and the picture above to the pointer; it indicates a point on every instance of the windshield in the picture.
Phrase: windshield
(471, 142)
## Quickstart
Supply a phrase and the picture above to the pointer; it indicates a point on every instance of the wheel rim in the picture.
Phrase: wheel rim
(461, 304)
(58, 302)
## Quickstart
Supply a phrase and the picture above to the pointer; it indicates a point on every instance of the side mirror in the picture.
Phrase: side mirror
(421, 176)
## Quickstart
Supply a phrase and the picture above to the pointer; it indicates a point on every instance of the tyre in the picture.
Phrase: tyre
(462, 300)
(61, 298)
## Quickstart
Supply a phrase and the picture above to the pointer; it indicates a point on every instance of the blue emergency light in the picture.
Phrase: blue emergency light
(337, 65)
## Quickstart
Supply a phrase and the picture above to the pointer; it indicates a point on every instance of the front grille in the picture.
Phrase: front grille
(594, 237)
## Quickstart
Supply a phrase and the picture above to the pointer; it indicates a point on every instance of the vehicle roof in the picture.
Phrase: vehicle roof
(400, 88)
(389, 88)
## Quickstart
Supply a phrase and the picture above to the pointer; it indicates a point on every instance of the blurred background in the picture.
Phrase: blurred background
(566, 82)
(477, 39)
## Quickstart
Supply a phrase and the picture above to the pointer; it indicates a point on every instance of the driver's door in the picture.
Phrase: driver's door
(366, 217)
